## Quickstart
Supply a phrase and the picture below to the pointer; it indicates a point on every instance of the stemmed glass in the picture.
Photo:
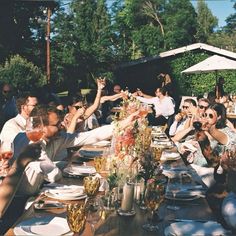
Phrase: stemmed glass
(34, 128)
(94, 210)
(6, 153)
(76, 218)
(174, 186)
(154, 195)
(91, 185)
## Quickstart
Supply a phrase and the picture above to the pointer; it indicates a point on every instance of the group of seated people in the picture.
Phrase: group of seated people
(31, 165)
(200, 130)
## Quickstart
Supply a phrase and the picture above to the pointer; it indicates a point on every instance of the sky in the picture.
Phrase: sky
(219, 8)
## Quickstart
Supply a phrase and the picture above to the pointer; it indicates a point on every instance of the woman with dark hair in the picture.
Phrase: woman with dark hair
(222, 139)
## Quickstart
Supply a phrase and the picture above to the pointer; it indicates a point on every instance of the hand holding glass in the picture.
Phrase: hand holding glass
(6, 153)
(34, 128)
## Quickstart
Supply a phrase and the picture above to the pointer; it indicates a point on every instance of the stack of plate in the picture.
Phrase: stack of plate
(76, 170)
(66, 193)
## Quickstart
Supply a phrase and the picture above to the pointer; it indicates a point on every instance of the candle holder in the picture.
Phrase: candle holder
(126, 208)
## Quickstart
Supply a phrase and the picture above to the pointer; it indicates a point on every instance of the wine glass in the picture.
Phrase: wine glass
(94, 210)
(34, 128)
(143, 110)
(99, 163)
(76, 218)
(174, 186)
(6, 153)
(154, 196)
(91, 185)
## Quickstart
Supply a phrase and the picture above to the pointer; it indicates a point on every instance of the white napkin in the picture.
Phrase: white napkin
(210, 228)
(104, 185)
(57, 226)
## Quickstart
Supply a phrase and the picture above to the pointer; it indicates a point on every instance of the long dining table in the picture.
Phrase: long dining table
(116, 225)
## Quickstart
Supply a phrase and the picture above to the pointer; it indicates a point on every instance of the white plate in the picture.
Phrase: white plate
(195, 228)
(185, 198)
(80, 170)
(168, 158)
(167, 232)
(69, 192)
(103, 143)
(43, 226)
(65, 197)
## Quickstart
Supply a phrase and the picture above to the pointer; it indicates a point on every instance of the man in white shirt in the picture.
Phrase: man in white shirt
(25, 104)
(164, 106)
(53, 142)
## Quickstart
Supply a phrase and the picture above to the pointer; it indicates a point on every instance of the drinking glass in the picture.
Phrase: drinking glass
(76, 218)
(94, 211)
(174, 186)
(143, 110)
(99, 163)
(157, 152)
(91, 185)
(34, 128)
(154, 196)
(6, 153)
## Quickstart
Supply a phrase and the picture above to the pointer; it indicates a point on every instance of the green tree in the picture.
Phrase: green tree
(22, 74)
(19, 26)
(206, 22)
(83, 46)
(225, 38)
(180, 23)
(231, 22)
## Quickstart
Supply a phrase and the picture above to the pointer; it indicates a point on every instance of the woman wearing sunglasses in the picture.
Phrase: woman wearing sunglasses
(222, 140)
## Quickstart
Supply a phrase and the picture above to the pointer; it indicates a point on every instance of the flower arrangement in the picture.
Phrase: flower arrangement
(130, 146)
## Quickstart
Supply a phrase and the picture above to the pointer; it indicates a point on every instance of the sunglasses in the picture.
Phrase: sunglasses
(78, 107)
(202, 107)
(185, 107)
(209, 115)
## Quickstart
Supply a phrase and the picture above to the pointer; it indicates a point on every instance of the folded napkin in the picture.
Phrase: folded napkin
(194, 228)
(57, 226)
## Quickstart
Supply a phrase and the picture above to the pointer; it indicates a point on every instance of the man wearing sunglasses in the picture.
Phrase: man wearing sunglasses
(182, 117)
(203, 104)
(55, 140)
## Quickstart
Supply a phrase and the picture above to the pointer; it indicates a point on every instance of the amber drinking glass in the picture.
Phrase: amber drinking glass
(91, 185)
(76, 218)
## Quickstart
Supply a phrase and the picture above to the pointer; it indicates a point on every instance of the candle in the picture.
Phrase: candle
(128, 195)
(137, 191)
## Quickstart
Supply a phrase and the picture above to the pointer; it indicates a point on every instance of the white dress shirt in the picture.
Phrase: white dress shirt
(44, 169)
(177, 126)
(164, 107)
(12, 127)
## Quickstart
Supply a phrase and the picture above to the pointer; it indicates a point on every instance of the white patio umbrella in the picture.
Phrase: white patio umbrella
(212, 64)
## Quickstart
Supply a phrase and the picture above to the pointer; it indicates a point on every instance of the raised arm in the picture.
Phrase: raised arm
(90, 110)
